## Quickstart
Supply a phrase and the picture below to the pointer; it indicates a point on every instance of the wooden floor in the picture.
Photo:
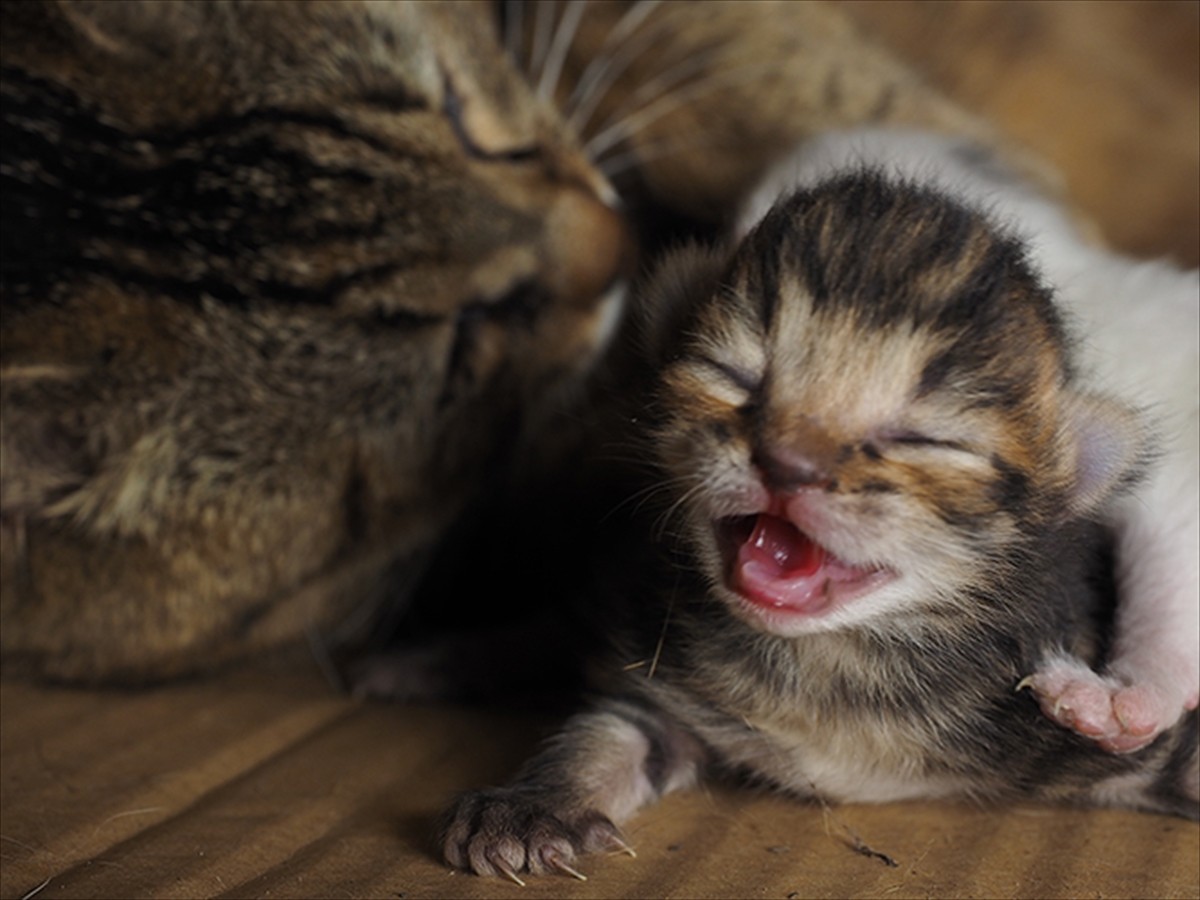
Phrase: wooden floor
(269, 784)
(265, 784)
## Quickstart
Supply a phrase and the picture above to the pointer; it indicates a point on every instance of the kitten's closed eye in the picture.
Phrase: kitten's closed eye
(747, 380)
(908, 438)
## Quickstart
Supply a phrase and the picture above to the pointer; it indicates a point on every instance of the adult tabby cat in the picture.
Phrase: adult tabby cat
(882, 486)
(283, 283)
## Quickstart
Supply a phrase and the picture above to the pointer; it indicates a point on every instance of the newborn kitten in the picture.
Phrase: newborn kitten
(882, 488)
(1141, 324)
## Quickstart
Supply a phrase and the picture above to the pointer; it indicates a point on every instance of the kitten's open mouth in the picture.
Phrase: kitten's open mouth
(777, 568)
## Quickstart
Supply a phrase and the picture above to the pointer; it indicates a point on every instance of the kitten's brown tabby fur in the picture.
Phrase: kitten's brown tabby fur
(283, 282)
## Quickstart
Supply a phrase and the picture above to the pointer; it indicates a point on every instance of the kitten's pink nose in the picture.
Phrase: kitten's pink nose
(789, 471)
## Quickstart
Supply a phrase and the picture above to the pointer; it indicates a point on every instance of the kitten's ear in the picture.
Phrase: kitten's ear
(683, 277)
(1112, 448)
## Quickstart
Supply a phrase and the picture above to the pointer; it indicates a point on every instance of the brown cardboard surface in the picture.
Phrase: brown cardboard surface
(267, 783)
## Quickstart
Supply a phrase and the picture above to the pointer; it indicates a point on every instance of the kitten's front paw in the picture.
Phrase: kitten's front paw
(507, 831)
(1119, 717)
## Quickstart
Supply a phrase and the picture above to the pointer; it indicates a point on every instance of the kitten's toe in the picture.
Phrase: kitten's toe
(1119, 717)
(1142, 714)
(507, 832)
(1076, 698)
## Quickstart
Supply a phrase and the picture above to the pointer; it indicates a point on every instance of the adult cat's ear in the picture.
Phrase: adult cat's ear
(42, 460)
(683, 278)
(1112, 447)
(124, 26)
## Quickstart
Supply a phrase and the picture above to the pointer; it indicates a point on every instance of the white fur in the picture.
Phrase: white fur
(1140, 329)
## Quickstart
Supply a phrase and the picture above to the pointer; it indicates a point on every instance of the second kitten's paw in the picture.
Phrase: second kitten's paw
(507, 831)
(1119, 717)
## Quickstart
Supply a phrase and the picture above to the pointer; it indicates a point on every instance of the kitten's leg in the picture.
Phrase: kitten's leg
(1153, 675)
(569, 799)
(1141, 325)
(1156, 653)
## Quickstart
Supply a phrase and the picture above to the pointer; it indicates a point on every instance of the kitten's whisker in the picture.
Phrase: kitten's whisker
(629, 126)
(564, 35)
(614, 66)
(665, 518)
(644, 495)
(662, 635)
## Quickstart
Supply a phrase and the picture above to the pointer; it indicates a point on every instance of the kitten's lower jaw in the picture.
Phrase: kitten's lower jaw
(783, 579)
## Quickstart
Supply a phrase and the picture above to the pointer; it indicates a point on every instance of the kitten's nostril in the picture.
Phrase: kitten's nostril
(787, 472)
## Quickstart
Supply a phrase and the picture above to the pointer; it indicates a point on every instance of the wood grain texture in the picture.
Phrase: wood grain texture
(268, 784)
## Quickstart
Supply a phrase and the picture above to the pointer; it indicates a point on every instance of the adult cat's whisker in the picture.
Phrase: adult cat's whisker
(564, 35)
(593, 89)
(622, 130)
(621, 162)
(661, 84)
(585, 87)
(543, 29)
(514, 12)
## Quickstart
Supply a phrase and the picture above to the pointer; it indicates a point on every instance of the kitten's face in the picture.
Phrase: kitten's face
(866, 411)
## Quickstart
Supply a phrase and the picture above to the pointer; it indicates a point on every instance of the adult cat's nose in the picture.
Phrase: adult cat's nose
(785, 470)
(587, 246)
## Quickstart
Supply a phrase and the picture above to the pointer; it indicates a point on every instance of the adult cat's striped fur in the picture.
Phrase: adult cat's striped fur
(883, 486)
(282, 284)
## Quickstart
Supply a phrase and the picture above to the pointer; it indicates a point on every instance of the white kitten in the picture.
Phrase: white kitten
(1140, 329)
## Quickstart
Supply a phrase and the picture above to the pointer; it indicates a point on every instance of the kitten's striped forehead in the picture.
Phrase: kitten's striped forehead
(889, 253)
(897, 283)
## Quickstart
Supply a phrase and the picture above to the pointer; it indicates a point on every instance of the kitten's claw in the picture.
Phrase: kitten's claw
(507, 832)
(1119, 717)
(559, 866)
(508, 873)
(620, 846)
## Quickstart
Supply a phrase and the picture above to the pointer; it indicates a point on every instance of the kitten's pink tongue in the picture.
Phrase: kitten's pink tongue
(778, 566)
(775, 541)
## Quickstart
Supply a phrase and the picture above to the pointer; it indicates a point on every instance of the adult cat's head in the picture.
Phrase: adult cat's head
(280, 282)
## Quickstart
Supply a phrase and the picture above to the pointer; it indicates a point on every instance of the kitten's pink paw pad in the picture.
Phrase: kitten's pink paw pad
(1118, 718)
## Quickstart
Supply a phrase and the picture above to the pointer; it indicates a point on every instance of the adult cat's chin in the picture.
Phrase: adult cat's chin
(783, 581)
